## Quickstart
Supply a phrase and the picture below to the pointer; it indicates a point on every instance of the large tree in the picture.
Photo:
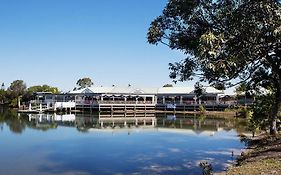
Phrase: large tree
(17, 88)
(225, 41)
(84, 82)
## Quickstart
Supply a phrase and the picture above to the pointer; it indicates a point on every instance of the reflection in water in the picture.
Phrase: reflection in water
(84, 123)
(115, 145)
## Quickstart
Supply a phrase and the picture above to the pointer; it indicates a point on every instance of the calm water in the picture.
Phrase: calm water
(76, 144)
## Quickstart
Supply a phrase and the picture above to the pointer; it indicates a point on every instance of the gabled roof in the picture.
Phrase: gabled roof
(135, 90)
(81, 91)
(210, 89)
(175, 90)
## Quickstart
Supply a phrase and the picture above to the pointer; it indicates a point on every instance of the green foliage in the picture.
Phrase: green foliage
(262, 109)
(17, 88)
(198, 90)
(43, 88)
(202, 109)
(201, 117)
(3, 96)
(244, 112)
(14, 91)
(224, 40)
(84, 82)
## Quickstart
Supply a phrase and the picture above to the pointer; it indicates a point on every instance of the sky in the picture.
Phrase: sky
(57, 42)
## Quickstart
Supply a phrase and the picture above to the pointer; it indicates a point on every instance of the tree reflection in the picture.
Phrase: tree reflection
(10, 117)
(17, 123)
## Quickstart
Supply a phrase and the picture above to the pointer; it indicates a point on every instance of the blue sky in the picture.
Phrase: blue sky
(56, 42)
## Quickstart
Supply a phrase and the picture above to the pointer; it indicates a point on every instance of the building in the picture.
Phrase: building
(130, 98)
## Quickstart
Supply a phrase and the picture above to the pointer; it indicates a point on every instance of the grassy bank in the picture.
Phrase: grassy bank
(263, 156)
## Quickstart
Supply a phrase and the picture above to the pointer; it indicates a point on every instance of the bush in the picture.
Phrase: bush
(202, 109)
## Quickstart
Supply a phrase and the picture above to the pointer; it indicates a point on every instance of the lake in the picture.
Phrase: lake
(78, 144)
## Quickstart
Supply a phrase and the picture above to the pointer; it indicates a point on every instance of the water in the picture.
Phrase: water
(76, 144)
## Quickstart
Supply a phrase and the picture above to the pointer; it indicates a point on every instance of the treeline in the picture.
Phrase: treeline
(18, 90)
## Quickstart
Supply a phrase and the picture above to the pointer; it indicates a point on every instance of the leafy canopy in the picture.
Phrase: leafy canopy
(43, 88)
(226, 42)
(84, 82)
(17, 88)
(223, 40)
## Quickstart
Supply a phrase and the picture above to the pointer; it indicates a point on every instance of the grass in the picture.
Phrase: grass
(263, 157)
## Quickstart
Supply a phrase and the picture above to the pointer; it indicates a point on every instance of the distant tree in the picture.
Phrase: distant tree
(3, 96)
(168, 85)
(29, 94)
(84, 82)
(43, 88)
(225, 40)
(17, 88)
(15, 91)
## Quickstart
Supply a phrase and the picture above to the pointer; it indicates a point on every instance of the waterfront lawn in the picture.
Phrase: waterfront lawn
(262, 157)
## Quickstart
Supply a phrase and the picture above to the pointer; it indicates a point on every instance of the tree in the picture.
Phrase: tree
(17, 88)
(3, 95)
(198, 90)
(84, 82)
(43, 88)
(15, 91)
(260, 112)
(241, 90)
(29, 94)
(224, 40)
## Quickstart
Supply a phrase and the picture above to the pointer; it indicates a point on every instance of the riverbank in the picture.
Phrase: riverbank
(263, 156)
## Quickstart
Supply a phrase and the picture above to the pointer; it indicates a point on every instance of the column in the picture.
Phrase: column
(180, 99)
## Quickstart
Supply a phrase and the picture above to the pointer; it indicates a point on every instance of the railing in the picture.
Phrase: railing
(125, 102)
(112, 102)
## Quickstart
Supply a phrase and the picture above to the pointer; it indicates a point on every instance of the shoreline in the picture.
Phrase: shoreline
(262, 155)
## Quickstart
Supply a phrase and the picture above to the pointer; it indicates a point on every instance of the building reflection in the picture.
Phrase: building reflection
(104, 122)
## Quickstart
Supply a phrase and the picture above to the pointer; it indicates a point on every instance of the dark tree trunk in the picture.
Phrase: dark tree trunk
(275, 110)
